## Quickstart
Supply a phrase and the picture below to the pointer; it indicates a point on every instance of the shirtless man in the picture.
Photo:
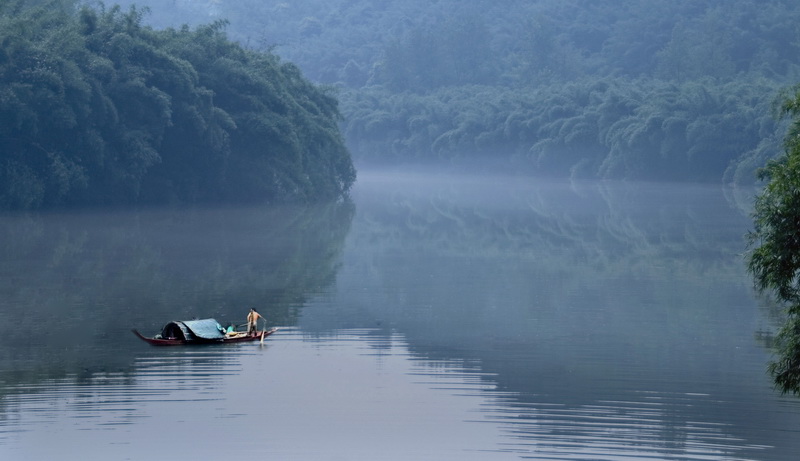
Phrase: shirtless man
(252, 321)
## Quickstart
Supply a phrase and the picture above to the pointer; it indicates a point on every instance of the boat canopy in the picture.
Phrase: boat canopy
(208, 329)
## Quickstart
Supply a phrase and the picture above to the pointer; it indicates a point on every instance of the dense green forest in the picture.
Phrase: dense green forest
(208, 100)
(96, 107)
(774, 259)
(677, 90)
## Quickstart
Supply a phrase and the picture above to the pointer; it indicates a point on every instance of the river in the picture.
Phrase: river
(431, 317)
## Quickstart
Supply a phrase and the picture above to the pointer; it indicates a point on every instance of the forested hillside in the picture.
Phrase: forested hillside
(96, 107)
(679, 89)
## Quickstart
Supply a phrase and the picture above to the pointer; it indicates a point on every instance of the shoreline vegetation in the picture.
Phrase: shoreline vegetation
(681, 91)
(157, 102)
(99, 109)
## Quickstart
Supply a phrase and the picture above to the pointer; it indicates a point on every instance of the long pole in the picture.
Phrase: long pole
(263, 331)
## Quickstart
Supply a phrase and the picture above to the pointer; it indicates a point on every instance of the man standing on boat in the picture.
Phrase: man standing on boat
(252, 321)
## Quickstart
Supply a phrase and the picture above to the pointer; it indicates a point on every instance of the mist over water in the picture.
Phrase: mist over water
(434, 317)
(482, 315)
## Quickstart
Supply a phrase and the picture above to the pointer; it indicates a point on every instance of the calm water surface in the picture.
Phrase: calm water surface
(434, 317)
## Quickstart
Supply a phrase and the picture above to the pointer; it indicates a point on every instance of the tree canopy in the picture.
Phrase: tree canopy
(98, 108)
(775, 257)
(677, 90)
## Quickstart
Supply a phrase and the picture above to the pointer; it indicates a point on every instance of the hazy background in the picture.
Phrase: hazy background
(678, 90)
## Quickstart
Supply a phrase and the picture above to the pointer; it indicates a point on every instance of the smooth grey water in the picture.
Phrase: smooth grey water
(435, 317)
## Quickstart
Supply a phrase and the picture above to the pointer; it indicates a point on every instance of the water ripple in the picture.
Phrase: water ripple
(650, 428)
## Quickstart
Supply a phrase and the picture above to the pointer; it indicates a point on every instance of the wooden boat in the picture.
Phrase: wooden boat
(204, 331)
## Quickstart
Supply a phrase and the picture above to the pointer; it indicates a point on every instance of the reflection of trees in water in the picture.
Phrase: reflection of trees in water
(566, 293)
(774, 314)
(595, 226)
(73, 285)
(534, 248)
(603, 219)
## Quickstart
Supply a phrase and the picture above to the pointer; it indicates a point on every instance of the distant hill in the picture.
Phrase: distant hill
(678, 90)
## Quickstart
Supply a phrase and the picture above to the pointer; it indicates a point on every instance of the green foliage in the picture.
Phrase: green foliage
(612, 128)
(454, 53)
(514, 42)
(96, 107)
(452, 66)
(775, 258)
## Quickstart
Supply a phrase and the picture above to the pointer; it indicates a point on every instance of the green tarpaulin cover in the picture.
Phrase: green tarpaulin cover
(205, 328)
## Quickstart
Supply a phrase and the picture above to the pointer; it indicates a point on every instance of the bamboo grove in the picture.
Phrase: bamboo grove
(97, 108)
(681, 90)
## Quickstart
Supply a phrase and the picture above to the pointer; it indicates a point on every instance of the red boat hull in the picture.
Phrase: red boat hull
(184, 342)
